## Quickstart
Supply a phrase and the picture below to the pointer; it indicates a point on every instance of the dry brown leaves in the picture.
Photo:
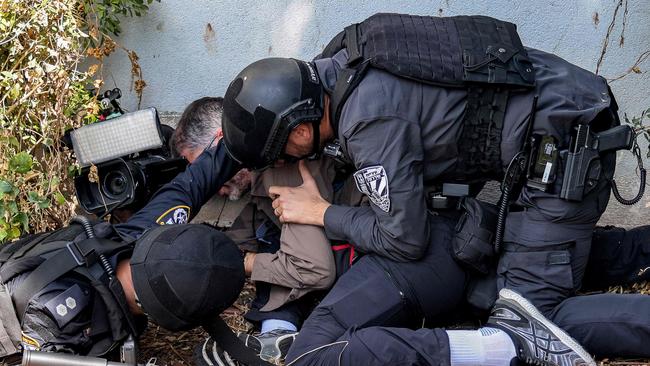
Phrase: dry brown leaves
(40, 51)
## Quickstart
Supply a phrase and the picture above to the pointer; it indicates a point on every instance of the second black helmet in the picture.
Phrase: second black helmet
(185, 275)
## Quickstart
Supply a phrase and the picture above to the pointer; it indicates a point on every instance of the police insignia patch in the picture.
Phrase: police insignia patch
(373, 182)
(175, 215)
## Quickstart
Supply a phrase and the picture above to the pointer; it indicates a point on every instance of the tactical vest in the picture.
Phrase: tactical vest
(480, 54)
(64, 300)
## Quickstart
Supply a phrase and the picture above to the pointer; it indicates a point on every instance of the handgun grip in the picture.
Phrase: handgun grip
(617, 138)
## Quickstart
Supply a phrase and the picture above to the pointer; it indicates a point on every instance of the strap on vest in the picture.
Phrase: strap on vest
(17, 250)
(74, 255)
(50, 270)
(347, 81)
(14, 268)
(352, 44)
(116, 307)
(115, 286)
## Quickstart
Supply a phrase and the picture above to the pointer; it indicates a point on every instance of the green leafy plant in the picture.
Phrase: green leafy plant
(106, 13)
(43, 92)
(640, 125)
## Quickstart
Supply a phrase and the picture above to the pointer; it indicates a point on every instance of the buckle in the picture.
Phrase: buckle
(80, 256)
(76, 253)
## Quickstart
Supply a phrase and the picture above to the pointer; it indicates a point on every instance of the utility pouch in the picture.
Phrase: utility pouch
(472, 242)
(482, 291)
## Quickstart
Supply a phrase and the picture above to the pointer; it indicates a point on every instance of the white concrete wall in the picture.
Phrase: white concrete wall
(189, 49)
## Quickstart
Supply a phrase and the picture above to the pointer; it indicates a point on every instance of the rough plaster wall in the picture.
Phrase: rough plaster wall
(189, 49)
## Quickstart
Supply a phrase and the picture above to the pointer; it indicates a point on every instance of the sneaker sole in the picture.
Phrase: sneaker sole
(559, 333)
(281, 348)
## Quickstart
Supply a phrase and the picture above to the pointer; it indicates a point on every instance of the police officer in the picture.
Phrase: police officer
(401, 134)
(180, 276)
(180, 200)
(284, 271)
(607, 267)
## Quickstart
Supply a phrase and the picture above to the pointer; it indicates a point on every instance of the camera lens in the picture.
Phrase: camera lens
(115, 183)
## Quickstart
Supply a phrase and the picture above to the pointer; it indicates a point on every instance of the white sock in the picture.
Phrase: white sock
(273, 324)
(482, 347)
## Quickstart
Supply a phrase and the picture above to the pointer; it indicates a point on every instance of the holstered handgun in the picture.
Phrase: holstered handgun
(583, 158)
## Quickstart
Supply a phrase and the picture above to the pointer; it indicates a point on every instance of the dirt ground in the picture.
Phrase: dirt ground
(175, 349)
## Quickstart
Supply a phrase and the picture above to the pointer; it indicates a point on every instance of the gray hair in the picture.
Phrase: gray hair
(198, 125)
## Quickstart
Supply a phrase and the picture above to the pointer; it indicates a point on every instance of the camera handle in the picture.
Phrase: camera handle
(38, 358)
(109, 99)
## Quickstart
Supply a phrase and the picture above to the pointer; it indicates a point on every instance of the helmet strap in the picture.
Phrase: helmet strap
(315, 149)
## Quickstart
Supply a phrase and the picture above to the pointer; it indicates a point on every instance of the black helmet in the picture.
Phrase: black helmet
(264, 103)
(185, 275)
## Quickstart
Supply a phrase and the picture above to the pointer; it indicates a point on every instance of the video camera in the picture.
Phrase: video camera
(124, 159)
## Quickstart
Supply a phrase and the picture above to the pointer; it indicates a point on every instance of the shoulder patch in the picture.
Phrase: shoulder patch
(175, 215)
(373, 182)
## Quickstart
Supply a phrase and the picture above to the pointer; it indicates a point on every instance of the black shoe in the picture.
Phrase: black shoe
(208, 353)
(537, 340)
(271, 346)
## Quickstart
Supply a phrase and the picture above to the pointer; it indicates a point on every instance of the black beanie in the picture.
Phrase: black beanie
(185, 274)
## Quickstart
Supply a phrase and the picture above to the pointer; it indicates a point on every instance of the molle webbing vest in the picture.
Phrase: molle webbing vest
(47, 257)
(480, 54)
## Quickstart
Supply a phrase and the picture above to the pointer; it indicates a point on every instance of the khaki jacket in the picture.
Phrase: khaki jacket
(304, 262)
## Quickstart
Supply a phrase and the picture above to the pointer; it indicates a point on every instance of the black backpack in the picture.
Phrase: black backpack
(483, 55)
(66, 294)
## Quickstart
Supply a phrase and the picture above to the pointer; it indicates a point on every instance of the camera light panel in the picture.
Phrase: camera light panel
(117, 137)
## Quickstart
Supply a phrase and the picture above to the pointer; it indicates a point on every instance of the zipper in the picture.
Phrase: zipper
(390, 277)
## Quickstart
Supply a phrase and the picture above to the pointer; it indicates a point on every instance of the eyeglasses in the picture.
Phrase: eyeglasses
(210, 144)
(202, 151)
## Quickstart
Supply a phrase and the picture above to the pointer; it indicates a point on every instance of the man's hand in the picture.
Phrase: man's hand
(300, 205)
(249, 263)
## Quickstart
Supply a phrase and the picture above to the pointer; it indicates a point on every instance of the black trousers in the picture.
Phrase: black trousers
(618, 257)
(548, 243)
(369, 315)
(611, 325)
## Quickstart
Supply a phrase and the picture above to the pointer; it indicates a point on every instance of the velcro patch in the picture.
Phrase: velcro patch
(175, 215)
(67, 305)
(373, 182)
